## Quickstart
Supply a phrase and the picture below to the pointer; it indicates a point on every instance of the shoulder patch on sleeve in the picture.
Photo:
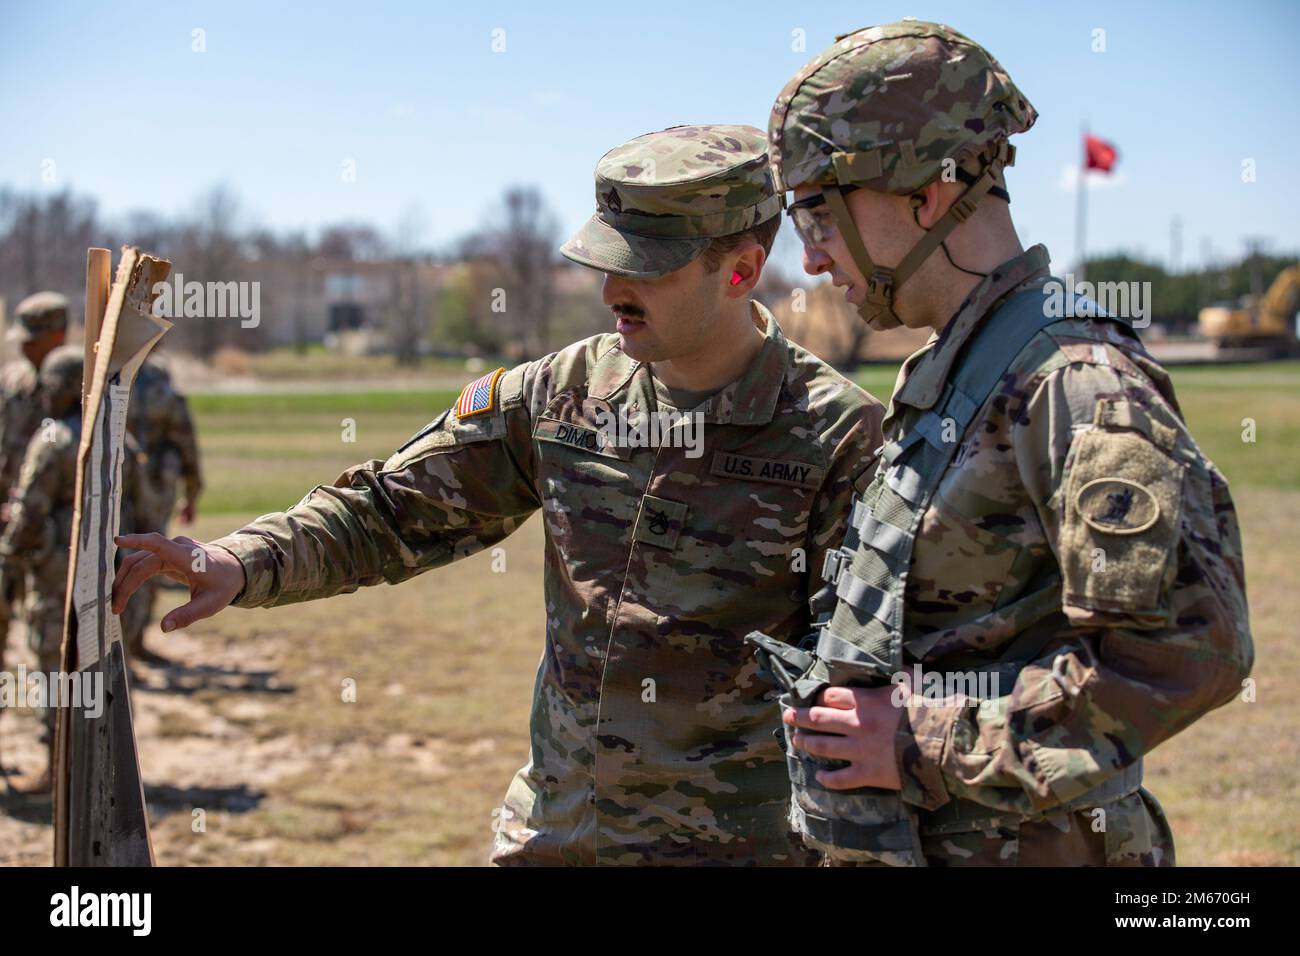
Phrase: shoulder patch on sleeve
(1117, 506)
(479, 396)
(1120, 528)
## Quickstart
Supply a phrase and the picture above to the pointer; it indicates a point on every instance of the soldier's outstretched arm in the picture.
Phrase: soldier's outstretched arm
(461, 484)
(1153, 589)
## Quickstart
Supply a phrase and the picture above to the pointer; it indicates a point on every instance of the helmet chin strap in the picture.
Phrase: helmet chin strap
(883, 282)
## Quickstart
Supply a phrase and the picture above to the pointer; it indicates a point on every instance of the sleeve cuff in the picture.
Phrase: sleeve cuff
(919, 748)
(258, 561)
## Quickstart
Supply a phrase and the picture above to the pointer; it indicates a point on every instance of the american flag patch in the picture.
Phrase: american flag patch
(478, 396)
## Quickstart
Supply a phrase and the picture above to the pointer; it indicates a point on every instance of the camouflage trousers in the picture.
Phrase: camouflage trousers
(46, 584)
(11, 606)
(1128, 831)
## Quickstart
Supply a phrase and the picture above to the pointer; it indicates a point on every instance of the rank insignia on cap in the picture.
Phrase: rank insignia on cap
(478, 396)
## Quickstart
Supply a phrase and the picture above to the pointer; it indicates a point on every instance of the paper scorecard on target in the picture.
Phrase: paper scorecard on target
(128, 334)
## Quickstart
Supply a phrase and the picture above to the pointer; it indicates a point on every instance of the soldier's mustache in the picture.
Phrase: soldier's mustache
(629, 310)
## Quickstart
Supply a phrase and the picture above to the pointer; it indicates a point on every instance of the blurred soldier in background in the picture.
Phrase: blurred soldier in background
(34, 546)
(159, 420)
(40, 325)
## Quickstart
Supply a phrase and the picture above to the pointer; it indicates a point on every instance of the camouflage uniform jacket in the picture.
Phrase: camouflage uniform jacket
(20, 414)
(40, 522)
(159, 418)
(652, 731)
(39, 533)
(1078, 502)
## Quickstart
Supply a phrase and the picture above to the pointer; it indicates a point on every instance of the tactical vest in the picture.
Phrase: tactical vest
(860, 642)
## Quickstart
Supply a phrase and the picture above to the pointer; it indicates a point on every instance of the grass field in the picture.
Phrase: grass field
(250, 728)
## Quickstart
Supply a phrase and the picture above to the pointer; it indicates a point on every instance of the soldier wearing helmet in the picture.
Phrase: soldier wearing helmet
(36, 542)
(1043, 535)
(60, 379)
(891, 140)
(40, 325)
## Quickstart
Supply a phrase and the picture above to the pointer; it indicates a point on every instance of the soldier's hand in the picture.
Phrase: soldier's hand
(866, 721)
(188, 509)
(214, 575)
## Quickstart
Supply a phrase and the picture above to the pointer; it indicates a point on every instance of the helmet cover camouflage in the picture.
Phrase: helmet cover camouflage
(38, 314)
(60, 380)
(661, 198)
(885, 106)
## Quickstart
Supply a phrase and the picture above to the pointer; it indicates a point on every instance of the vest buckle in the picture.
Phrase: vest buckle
(833, 565)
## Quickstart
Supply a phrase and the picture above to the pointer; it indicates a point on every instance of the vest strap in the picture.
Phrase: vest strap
(864, 596)
(908, 483)
(882, 537)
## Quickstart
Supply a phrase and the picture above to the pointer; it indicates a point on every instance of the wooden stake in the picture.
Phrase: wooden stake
(99, 264)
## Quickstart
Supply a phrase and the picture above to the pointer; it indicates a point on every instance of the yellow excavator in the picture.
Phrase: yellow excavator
(1257, 321)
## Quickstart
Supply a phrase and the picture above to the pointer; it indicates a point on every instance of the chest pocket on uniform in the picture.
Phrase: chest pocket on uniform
(756, 508)
(586, 482)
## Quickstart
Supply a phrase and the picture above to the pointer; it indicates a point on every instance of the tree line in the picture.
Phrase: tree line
(501, 291)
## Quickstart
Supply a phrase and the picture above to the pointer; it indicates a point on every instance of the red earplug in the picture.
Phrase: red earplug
(736, 278)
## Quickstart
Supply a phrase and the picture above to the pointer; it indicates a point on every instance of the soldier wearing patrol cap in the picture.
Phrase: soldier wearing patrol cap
(40, 326)
(652, 730)
(1043, 535)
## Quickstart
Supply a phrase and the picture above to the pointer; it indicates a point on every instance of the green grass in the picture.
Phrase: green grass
(1217, 401)
(318, 364)
(264, 452)
(252, 407)
(878, 380)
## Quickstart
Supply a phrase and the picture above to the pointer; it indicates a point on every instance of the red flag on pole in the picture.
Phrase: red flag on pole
(1098, 154)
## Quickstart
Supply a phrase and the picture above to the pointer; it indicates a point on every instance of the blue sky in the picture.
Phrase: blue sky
(438, 124)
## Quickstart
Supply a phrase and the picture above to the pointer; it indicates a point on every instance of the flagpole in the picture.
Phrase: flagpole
(1081, 210)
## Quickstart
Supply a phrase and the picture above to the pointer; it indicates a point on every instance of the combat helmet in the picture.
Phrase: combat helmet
(893, 108)
(60, 380)
(38, 314)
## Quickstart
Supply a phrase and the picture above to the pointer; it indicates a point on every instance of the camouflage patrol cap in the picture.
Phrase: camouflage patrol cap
(60, 379)
(885, 106)
(661, 197)
(38, 314)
